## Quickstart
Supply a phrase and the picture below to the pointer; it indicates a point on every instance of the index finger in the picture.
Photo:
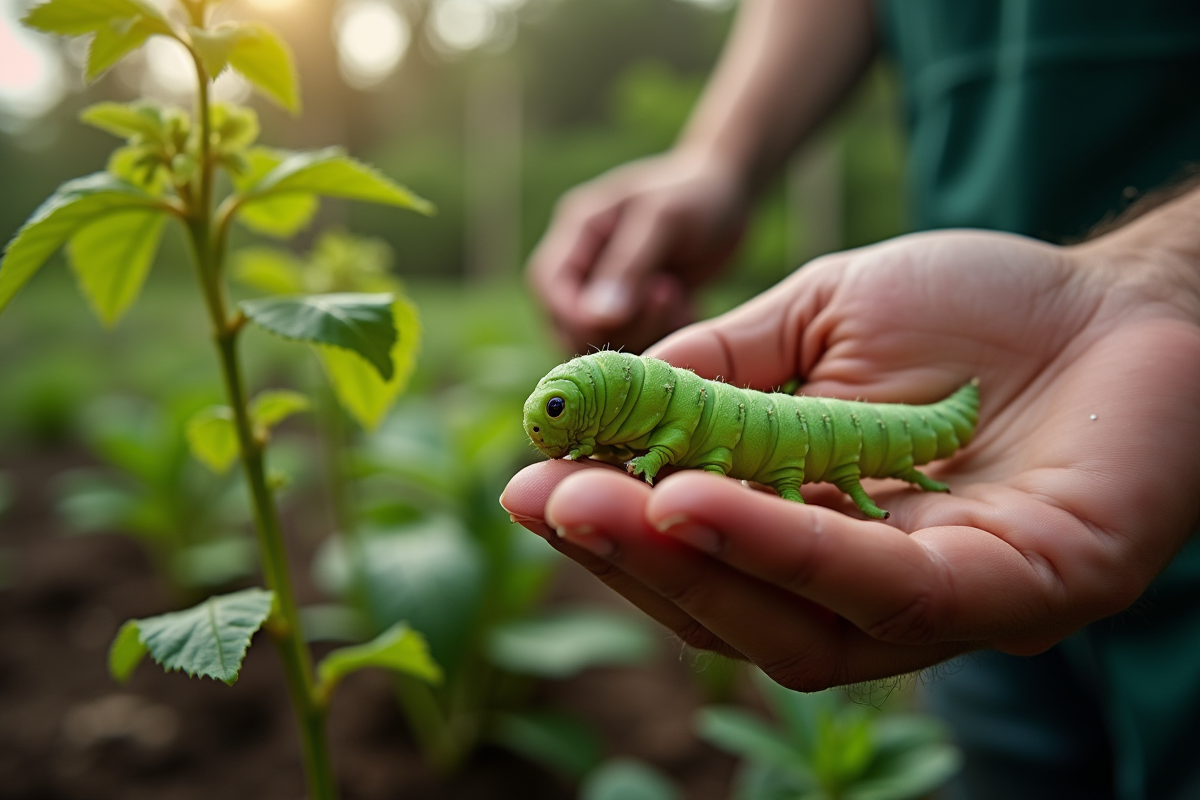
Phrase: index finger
(761, 343)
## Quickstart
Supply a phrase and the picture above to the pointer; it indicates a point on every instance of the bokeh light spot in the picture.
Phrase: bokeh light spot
(372, 38)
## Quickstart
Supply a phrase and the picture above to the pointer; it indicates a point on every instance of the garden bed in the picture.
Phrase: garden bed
(68, 731)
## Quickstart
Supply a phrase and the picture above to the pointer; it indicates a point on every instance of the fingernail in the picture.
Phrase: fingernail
(585, 536)
(607, 298)
(501, 501)
(701, 537)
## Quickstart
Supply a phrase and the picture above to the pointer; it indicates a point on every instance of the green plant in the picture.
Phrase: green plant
(111, 225)
(432, 546)
(191, 520)
(828, 748)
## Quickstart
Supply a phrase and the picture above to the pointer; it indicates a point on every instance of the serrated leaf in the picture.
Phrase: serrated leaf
(399, 649)
(268, 269)
(126, 120)
(126, 652)
(79, 17)
(627, 779)
(212, 437)
(332, 173)
(256, 52)
(266, 61)
(270, 408)
(75, 204)
(358, 387)
(214, 45)
(210, 639)
(280, 215)
(362, 323)
(112, 43)
(567, 642)
(111, 258)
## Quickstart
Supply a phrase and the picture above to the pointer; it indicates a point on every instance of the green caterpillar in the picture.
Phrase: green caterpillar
(620, 407)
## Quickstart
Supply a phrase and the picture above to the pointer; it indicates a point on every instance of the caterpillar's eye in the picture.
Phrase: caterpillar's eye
(555, 406)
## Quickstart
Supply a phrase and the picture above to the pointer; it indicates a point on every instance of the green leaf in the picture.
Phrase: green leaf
(214, 45)
(214, 563)
(114, 42)
(111, 258)
(268, 269)
(270, 408)
(912, 774)
(77, 203)
(266, 61)
(568, 642)
(333, 622)
(255, 51)
(399, 649)
(209, 639)
(429, 574)
(80, 17)
(737, 731)
(126, 652)
(563, 743)
(212, 437)
(332, 173)
(627, 779)
(126, 120)
(280, 215)
(362, 323)
(359, 388)
(236, 127)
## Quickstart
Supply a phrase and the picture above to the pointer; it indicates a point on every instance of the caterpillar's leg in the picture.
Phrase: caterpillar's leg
(789, 490)
(850, 485)
(649, 464)
(786, 482)
(924, 481)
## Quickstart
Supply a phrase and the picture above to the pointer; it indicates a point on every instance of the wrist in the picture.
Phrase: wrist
(1158, 248)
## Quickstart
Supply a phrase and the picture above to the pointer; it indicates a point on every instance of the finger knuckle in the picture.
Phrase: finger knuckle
(918, 622)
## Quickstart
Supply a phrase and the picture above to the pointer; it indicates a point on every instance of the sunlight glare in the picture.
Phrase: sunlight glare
(463, 24)
(272, 6)
(31, 71)
(372, 38)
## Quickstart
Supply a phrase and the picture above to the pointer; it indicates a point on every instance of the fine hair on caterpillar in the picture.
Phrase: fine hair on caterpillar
(645, 413)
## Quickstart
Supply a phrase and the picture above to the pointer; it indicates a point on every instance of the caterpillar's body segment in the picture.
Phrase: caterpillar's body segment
(622, 407)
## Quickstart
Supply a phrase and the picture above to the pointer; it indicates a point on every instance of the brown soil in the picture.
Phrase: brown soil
(68, 731)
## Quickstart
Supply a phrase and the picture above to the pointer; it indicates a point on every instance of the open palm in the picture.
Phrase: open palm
(1079, 487)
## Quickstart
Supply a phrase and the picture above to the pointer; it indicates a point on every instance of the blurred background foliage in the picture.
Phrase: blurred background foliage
(492, 108)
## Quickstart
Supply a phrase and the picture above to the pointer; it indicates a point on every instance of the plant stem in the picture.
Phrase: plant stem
(284, 627)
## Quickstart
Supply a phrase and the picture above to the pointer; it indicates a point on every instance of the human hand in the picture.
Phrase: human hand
(1078, 488)
(623, 252)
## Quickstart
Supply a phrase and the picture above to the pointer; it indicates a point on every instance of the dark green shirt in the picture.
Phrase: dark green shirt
(1043, 117)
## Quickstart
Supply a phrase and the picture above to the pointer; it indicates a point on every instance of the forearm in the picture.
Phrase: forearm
(787, 63)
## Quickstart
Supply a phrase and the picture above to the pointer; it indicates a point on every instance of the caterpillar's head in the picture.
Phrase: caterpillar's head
(554, 415)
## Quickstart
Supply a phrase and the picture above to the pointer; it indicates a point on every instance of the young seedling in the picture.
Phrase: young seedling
(827, 748)
(111, 223)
